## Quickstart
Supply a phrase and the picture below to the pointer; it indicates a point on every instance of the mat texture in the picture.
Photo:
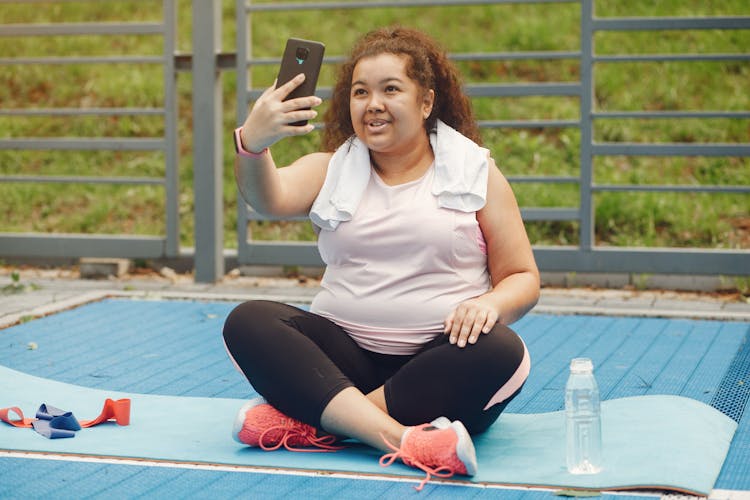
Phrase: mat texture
(667, 442)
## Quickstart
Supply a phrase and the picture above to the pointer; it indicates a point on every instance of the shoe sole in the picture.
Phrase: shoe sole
(465, 448)
(239, 420)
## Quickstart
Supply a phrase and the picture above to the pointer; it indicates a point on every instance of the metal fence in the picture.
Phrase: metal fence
(208, 61)
(96, 245)
(586, 256)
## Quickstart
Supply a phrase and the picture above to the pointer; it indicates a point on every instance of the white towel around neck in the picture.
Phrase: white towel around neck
(460, 182)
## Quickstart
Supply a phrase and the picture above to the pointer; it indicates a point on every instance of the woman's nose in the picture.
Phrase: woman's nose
(375, 104)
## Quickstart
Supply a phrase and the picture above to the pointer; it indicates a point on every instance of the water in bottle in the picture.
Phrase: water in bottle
(583, 419)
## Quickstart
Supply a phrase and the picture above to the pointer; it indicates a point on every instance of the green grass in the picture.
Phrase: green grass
(622, 219)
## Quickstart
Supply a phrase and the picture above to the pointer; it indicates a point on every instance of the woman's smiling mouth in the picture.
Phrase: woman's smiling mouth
(376, 125)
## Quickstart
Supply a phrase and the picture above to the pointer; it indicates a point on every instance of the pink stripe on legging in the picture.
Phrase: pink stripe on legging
(232, 357)
(515, 382)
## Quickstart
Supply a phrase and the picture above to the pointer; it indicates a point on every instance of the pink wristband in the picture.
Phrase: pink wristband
(240, 149)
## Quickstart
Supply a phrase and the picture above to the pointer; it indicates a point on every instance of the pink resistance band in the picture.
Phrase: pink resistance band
(54, 423)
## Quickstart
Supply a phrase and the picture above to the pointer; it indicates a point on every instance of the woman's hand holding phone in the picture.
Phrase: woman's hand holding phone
(272, 117)
(284, 109)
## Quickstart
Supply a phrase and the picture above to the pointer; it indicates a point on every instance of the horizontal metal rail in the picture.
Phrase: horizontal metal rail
(62, 29)
(375, 4)
(224, 61)
(522, 89)
(528, 123)
(514, 56)
(274, 253)
(82, 111)
(670, 114)
(78, 245)
(673, 149)
(54, 61)
(256, 216)
(81, 179)
(670, 58)
(703, 188)
(550, 214)
(671, 23)
(84, 144)
(708, 261)
(46, 1)
(458, 56)
(553, 179)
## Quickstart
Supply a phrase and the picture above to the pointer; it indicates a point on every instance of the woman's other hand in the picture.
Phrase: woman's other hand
(469, 319)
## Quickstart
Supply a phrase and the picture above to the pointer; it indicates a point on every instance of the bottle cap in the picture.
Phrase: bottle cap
(581, 365)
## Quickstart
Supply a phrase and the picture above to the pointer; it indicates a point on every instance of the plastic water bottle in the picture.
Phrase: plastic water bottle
(583, 419)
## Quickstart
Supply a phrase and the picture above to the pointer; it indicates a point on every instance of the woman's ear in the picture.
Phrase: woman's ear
(428, 101)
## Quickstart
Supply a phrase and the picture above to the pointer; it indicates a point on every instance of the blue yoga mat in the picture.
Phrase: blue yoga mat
(664, 442)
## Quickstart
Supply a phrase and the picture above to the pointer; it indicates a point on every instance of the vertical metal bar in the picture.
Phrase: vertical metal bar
(170, 131)
(207, 141)
(586, 234)
(243, 54)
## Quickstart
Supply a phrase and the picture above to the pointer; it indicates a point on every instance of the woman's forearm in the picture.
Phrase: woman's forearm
(515, 295)
(258, 182)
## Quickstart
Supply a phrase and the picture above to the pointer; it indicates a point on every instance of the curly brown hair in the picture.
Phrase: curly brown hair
(428, 66)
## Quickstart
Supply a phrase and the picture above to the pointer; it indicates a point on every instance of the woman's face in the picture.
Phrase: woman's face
(387, 108)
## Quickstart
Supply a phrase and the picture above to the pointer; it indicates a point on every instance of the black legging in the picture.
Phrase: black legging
(299, 361)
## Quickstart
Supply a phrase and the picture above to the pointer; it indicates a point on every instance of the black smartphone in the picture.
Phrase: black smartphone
(301, 56)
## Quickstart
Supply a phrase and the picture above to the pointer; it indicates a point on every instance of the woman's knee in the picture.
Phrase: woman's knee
(506, 344)
(243, 320)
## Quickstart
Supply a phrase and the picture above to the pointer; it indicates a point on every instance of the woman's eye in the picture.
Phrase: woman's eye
(358, 92)
(391, 88)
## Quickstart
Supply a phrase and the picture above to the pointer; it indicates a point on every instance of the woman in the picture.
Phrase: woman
(427, 263)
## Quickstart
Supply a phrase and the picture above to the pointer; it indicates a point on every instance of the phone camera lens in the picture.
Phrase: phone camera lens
(302, 53)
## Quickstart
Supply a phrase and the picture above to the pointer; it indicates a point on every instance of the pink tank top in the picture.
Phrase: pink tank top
(400, 266)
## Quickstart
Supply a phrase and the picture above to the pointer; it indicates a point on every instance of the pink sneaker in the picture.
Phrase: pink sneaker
(441, 448)
(260, 425)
